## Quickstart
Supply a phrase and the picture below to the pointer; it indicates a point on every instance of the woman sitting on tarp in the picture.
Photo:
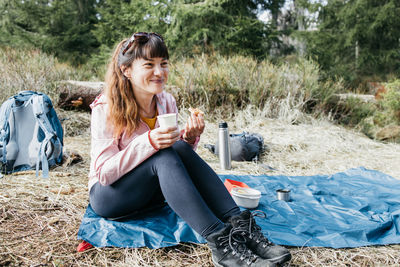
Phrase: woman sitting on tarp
(137, 165)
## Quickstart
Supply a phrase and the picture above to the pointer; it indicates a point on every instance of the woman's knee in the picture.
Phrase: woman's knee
(173, 156)
(182, 147)
(166, 155)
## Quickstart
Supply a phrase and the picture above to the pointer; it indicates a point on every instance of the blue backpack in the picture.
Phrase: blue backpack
(31, 135)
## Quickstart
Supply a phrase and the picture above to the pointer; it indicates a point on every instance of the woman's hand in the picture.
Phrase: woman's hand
(194, 127)
(163, 138)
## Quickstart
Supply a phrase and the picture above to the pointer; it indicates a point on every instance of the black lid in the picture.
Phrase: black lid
(223, 125)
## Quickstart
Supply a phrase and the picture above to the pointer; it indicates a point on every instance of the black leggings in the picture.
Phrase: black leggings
(179, 176)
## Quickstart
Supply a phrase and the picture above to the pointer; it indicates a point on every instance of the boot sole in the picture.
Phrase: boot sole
(281, 259)
(216, 264)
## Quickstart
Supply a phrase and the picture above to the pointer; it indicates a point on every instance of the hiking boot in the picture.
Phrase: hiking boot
(246, 225)
(229, 250)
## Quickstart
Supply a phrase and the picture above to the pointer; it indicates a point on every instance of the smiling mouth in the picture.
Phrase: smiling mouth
(157, 81)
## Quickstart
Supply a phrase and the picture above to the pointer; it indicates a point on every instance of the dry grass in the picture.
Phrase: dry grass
(39, 218)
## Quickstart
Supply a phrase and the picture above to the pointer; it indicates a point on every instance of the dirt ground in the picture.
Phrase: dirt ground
(40, 218)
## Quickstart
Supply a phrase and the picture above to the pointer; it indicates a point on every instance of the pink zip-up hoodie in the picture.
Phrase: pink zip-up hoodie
(112, 158)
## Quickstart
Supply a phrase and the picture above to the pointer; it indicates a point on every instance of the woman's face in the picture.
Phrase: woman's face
(148, 76)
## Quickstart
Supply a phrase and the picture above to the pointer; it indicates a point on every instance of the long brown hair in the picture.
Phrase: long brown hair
(123, 110)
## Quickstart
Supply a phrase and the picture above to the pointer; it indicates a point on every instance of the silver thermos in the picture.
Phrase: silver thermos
(224, 146)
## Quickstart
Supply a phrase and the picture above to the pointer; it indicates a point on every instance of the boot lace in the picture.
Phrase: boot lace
(237, 244)
(250, 227)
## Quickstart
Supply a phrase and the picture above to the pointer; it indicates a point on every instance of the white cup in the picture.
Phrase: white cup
(167, 120)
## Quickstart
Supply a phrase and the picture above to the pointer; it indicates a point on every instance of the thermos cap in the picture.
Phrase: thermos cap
(223, 125)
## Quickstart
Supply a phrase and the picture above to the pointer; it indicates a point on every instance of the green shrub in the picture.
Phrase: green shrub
(353, 111)
(98, 62)
(217, 82)
(367, 126)
(391, 100)
(33, 70)
(370, 118)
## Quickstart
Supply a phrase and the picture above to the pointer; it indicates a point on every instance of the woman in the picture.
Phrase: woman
(136, 165)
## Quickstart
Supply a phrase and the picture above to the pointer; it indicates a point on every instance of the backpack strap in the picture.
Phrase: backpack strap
(44, 124)
(5, 111)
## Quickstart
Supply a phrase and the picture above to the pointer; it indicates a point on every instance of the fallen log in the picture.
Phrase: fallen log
(361, 97)
(78, 95)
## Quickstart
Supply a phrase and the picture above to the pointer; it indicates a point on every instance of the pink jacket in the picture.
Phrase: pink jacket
(112, 158)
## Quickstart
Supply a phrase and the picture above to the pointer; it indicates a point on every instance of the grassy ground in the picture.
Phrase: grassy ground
(39, 218)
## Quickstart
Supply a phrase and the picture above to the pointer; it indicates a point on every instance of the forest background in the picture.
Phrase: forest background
(353, 45)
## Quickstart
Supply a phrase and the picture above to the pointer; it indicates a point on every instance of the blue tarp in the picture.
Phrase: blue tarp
(358, 207)
(157, 229)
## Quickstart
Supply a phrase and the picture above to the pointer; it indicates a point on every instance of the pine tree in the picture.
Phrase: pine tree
(358, 38)
(226, 26)
(59, 27)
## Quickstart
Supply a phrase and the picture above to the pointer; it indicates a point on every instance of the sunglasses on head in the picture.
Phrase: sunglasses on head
(140, 37)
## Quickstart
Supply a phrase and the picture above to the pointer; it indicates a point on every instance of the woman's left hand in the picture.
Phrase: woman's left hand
(194, 127)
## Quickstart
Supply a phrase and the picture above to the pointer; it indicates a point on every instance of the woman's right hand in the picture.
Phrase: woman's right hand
(163, 138)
